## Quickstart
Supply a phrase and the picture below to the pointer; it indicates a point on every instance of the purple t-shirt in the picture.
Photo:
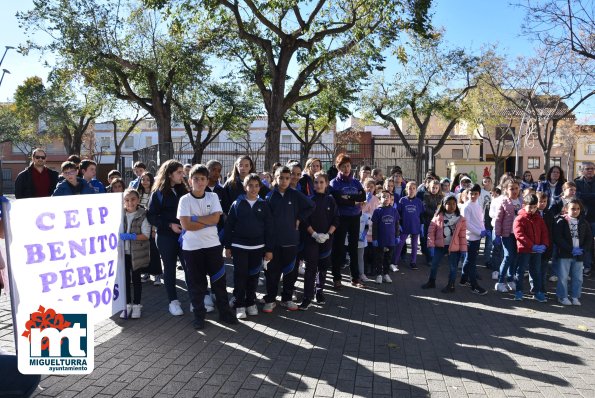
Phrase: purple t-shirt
(384, 221)
(410, 211)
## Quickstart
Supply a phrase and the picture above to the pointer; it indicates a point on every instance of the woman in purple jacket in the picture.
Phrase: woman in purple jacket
(348, 193)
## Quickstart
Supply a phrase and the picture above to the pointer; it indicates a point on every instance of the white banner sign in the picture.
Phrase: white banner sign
(66, 249)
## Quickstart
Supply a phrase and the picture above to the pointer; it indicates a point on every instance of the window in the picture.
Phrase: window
(504, 133)
(590, 149)
(556, 162)
(286, 139)
(533, 162)
(148, 141)
(129, 143)
(353, 147)
(457, 154)
(104, 142)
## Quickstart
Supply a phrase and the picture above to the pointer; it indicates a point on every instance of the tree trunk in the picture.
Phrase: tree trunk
(198, 152)
(117, 158)
(162, 117)
(67, 141)
(546, 160)
(305, 153)
(77, 142)
(419, 162)
(273, 135)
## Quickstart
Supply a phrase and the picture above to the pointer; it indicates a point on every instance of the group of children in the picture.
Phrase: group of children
(312, 219)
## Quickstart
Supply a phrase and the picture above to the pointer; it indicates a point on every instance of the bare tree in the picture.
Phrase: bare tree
(567, 24)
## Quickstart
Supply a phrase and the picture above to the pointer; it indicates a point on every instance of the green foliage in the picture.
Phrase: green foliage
(63, 109)
(124, 50)
(215, 107)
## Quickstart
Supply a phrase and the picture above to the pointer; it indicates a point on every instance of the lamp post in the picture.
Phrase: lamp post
(4, 71)
(6, 48)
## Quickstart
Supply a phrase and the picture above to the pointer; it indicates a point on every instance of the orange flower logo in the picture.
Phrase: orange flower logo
(43, 319)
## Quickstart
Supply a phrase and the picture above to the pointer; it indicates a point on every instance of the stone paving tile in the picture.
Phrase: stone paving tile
(387, 340)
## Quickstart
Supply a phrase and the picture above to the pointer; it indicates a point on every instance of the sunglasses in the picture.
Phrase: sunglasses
(70, 173)
(40, 157)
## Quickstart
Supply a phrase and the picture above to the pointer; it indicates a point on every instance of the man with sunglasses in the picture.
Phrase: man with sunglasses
(37, 180)
(585, 191)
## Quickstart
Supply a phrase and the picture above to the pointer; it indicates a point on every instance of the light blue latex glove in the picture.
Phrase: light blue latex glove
(577, 251)
(125, 236)
(375, 243)
(498, 240)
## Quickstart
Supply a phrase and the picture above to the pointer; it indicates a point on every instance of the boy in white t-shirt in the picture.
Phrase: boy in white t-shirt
(199, 212)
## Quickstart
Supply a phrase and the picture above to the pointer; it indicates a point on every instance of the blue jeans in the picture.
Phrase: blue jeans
(588, 257)
(170, 251)
(509, 262)
(533, 262)
(569, 266)
(453, 261)
(470, 265)
(487, 248)
(495, 254)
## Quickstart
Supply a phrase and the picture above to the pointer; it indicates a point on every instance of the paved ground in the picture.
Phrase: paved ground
(388, 340)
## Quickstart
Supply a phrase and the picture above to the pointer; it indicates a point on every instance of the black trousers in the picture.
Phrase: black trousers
(246, 268)
(132, 280)
(283, 263)
(318, 259)
(382, 259)
(199, 264)
(348, 226)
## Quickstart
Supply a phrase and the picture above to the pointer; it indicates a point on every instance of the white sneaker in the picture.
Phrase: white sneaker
(553, 278)
(290, 305)
(501, 287)
(252, 310)
(268, 307)
(564, 301)
(241, 312)
(158, 280)
(302, 268)
(379, 279)
(260, 281)
(386, 279)
(512, 286)
(136, 309)
(394, 268)
(364, 278)
(209, 304)
(126, 312)
(175, 308)
(144, 278)
(495, 275)
(575, 301)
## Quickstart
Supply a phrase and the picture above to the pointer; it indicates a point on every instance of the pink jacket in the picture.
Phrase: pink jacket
(436, 234)
(505, 218)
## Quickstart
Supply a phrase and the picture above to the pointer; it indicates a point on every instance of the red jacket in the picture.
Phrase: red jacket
(529, 230)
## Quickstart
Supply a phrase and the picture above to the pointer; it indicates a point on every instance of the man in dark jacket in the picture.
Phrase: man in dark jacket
(37, 180)
(585, 191)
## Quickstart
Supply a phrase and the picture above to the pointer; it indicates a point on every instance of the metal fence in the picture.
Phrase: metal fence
(384, 156)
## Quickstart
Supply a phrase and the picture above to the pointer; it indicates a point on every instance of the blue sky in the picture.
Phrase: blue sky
(469, 23)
